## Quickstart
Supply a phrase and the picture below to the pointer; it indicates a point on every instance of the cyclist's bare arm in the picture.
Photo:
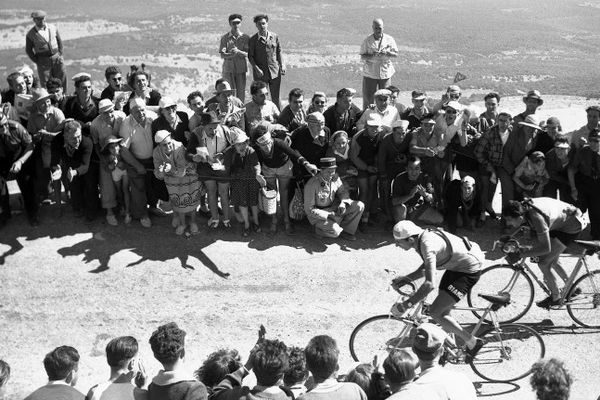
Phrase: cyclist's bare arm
(542, 245)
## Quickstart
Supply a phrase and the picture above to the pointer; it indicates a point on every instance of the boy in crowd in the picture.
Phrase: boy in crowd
(268, 360)
(172, 383)
(322, 361)
(122, 357)
(61, 365)
(297, 373)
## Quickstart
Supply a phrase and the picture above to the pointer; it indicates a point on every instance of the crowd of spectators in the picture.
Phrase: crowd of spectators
(135, 153)
(280, 372)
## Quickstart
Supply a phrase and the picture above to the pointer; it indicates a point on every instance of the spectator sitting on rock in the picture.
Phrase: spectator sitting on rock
(269, 361)
(216, 367)
(172, 383)
(125, 367)
(328, 205)
(322, 355)
(296, 375)
(61, 365)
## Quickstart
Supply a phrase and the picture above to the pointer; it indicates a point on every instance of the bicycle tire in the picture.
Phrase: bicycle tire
(377, 336)
(584, 308)
(508, 353)
(493, 280)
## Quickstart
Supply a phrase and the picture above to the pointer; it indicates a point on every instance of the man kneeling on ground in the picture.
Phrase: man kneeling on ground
(328, 205)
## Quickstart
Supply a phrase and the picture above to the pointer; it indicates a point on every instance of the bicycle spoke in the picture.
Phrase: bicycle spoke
(508, 353)
(499, 279)
(583, 303)
(378, 336)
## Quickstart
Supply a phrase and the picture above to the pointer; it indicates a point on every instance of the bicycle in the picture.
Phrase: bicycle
(507, 355)
(581, 296)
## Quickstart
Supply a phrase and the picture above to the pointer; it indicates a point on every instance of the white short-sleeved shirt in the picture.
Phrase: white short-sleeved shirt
(379, 67)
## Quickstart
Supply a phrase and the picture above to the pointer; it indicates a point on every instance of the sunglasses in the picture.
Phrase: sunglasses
(236, 22)
(451, 111)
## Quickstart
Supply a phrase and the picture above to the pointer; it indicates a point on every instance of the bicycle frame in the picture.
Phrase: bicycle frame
(524, 266)
(414, 317)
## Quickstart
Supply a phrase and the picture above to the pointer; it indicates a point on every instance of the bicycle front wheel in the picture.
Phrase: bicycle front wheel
(508, 353)
(503, 278)
(583, 300)
(377, 336)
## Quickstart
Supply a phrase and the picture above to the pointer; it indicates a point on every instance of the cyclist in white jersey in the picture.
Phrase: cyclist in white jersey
(556, 225)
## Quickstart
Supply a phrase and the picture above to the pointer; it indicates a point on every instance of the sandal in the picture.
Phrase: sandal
(226, 223)
(256, 228)
(246, 232)
(213, 223)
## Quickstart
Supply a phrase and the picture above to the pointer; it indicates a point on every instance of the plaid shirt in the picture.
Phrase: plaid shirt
(490, 148)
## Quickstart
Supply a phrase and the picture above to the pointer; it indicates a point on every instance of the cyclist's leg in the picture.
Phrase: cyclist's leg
(453, 287)
(440, 311)
(546, 263)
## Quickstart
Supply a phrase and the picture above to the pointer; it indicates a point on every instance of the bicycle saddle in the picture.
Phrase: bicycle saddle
(501, 299)
(593, 245)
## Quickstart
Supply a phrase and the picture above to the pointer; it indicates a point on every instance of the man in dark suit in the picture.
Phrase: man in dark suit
(264, 54)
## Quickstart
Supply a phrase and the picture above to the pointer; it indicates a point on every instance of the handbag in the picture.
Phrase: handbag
(297, 204)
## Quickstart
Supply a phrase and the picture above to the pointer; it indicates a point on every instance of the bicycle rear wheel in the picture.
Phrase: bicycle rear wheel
(503, 278)
(508, 353)
(583, 304)
(379, 335)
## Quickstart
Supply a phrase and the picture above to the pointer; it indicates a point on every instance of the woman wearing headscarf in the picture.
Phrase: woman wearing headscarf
(179, 175)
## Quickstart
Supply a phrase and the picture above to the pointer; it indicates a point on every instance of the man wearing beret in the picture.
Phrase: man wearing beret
(328, 205)
(44, 47)
(376, 53)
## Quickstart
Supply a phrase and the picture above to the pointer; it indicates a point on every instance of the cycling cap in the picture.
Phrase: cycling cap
(405, 229)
